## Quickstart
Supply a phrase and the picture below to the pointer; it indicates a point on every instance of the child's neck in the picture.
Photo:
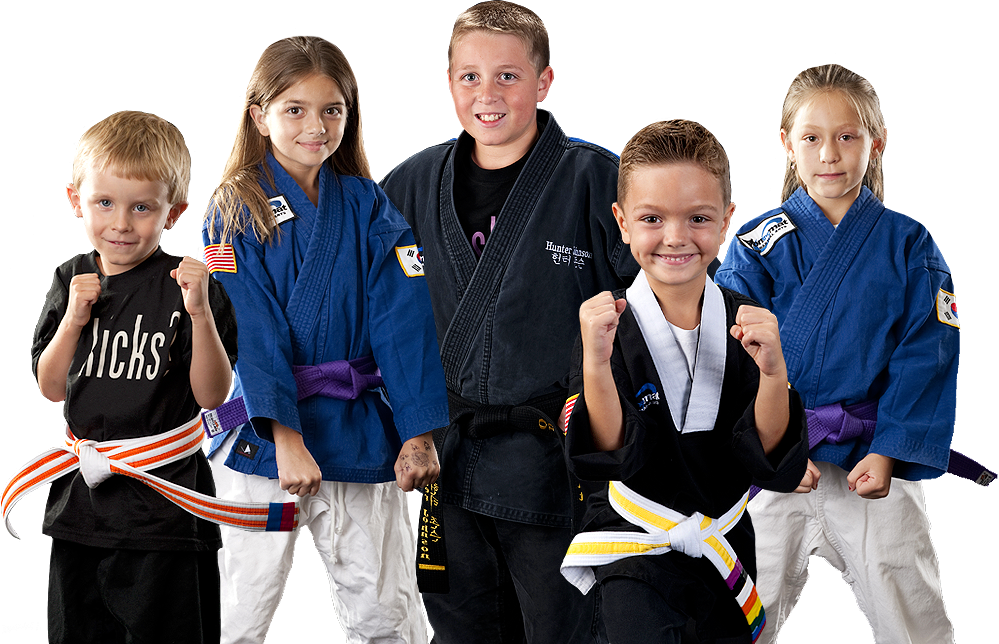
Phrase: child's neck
(836, 209)
(680, 304)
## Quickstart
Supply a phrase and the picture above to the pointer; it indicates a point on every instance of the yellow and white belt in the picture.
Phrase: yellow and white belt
(133, 458)
(666, 529)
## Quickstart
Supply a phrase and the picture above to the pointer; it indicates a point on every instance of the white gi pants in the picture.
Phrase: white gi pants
(881, 547)
(363, 535)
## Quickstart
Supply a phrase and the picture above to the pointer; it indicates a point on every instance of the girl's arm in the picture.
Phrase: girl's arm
(211, 372)
(298, 471)
(598, 320)
(757, 329)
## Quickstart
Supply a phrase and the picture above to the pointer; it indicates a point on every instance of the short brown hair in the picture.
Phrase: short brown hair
(502, 17)
(676, 141)
(136, 145)
(859, 91)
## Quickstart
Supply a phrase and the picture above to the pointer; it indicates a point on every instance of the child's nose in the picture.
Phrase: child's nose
(829, 153)
(122, 220)
(488, 91)
(315, 125)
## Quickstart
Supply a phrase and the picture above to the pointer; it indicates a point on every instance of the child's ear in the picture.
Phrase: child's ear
(785, 140)
(622, 223)
(878, 145)
(176, 211)
(545, 83)
(727, 220)
(257, 114)
(74, 199)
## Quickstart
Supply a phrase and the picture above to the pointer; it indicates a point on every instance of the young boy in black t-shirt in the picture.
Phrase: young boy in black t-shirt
(136, 342)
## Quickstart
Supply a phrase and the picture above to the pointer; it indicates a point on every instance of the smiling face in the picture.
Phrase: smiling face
(123, 217)
(305, 124)
(831, 149)
(675, 219)
(496, 92)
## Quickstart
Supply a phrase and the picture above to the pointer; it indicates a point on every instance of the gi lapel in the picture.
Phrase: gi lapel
(825, 275)
(478, 282)
(698, 411)
(312, 284)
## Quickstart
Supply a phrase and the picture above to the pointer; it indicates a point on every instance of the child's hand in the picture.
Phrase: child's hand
(298, 472)
(871, 478)
(192, 276)
(811, 479)
(84, 289)
(417, 465)
(598, 320)
(757, 329)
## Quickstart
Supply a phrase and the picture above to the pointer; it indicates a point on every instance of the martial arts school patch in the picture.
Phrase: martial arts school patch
(247, 449)
(763, 238)
(281, 209)
(220, 257)
(947, 308)
(647, 396)
(411, 260)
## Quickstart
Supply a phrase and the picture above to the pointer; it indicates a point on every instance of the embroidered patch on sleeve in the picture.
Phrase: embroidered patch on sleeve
(220, 258)
(281, 209)
(411, 260)
(763, 238)
(567, 412)
(947, 308)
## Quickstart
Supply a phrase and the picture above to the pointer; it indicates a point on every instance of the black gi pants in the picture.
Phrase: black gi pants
(506, 586)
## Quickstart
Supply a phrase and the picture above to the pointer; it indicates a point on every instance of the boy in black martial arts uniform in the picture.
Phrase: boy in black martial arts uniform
(681, 401)
(514, 222)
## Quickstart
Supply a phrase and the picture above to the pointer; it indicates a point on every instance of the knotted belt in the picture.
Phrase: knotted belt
(134, 458)
(340, 379)
(665, 530)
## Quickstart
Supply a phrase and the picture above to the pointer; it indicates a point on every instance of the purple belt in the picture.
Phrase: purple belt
(838, 423)
(340, 379)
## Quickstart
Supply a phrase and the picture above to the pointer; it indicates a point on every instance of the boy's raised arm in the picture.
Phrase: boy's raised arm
(598, 320)
(757, 329)
(211, 372)
(56, 359)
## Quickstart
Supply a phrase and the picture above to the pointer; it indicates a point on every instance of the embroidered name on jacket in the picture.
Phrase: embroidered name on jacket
(568, 255)
(281, 209)
(763, 238)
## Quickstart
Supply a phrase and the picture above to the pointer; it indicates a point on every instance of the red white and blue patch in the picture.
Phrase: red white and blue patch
(567, 412)
(411, 260)
(947, 309)
(220, 258)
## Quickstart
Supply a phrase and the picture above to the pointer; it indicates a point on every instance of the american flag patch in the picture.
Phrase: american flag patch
(411, 260)
(220, 257)
(947, 308)
(567, 411)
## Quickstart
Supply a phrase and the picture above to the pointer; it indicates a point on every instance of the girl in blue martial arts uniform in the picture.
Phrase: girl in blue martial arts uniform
(870, 333)
(322, 269)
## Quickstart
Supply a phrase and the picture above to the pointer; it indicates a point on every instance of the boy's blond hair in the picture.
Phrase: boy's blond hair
(498, 16)
(676, 141)
(859, 91)
(136, 145)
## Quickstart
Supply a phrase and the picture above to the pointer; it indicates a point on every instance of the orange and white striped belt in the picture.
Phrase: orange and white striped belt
(134, 458)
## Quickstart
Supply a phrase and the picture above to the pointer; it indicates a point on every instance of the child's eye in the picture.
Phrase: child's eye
(507, 76)
(699, 219)
(333, 111)
(104, 203)
(142, 208)
(847, 137)
(294, 111)
(469, 77)
(649, 219)
(811, 138)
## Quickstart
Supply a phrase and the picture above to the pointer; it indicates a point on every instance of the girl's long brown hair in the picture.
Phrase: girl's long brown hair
(282, 64)
(856, 88)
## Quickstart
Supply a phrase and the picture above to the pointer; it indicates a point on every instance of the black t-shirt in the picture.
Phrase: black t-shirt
(479, 194)
(130, 378)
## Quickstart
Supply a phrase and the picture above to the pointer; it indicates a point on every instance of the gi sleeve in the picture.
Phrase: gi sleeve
(783, 468)
(401, 324)
(264, 339)
(743, 272)
(916, 411)
(582, 457)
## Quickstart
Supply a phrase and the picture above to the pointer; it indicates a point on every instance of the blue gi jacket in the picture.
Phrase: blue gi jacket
(867, 312)
(332, 285)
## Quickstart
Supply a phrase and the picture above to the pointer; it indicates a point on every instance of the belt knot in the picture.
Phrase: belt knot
(686, 536)
(94, 466)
